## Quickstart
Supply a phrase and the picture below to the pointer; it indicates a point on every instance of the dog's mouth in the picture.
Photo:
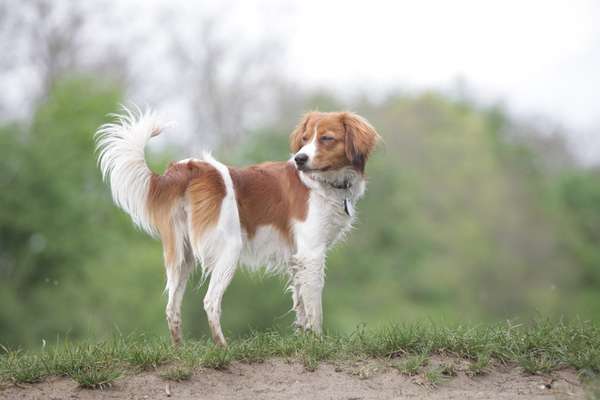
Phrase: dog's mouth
(304, 168)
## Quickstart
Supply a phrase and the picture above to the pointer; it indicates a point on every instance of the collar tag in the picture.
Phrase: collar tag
(348, 207)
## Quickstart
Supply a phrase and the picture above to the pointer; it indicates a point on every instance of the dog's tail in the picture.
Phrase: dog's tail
(120, 147)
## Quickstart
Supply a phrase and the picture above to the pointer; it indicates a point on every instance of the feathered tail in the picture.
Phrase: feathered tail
(120, 147)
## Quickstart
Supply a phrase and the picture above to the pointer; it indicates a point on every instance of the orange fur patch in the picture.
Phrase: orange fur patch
(203, 186)
(206, 194)
(270, 194)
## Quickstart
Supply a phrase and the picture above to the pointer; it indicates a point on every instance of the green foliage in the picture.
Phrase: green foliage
(70, 262)
(460, 223)
(51, 210)
(580, 194)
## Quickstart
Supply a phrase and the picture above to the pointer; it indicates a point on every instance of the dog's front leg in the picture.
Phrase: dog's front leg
(311, 280)
(297, 303)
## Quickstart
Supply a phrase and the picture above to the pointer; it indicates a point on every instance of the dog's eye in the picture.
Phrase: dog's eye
(327, 138)
(304, 139)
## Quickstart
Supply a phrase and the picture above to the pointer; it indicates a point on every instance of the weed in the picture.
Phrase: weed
(149, 355)
(434, 376)
(537, 363)
(480, 365)
(538, 347)
(95, 377)
(24, 368)
(216, 357)
(412, 365)
(177, 374)
(448, 369)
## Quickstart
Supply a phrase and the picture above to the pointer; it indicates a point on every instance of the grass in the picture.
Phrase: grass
(177, 374)
(448, 370)
(479, 366)
(539, 347)
(434, 376)
(94, 376)
(147, 354)
(412, 365)
(537, 363)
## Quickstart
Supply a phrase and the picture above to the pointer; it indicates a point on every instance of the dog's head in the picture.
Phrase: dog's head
(332, 141)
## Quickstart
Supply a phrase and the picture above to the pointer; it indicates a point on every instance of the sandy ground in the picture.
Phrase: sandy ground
(278, 379)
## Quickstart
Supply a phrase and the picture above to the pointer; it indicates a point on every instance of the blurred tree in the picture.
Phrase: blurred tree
(50, 40)
(51, 209)
(53, 201)
(460, 221)
(228, 79)
(580, 192)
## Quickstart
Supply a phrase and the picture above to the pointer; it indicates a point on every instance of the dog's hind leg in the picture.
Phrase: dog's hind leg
(179, 263)
(177, 277)
(222, 272)
(217, 242)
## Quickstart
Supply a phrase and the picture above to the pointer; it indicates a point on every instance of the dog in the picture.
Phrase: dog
(283, 216)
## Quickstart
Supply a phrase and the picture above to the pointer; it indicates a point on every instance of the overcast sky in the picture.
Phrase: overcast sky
(537, 57)
(540, 57)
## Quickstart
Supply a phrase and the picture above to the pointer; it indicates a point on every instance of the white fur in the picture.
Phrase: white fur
(310, 149)
(120, 146)
(267, 249)
(219, 251)
(227, 244)
(325, 224)
(209, 247)
(187, 160)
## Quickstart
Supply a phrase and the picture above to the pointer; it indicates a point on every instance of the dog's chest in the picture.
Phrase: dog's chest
(328, 219)
(267, 248)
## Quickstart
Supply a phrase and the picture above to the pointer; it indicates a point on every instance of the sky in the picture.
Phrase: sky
(540, 58)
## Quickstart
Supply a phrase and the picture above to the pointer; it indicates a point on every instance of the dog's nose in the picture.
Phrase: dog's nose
(301, 159)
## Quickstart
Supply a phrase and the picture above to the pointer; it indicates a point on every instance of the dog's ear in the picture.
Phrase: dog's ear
(361, 139)
(298, 132)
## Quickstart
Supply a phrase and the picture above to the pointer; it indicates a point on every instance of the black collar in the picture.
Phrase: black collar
(346, 184)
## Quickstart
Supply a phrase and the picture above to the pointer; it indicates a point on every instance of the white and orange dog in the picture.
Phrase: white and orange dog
(280, 215)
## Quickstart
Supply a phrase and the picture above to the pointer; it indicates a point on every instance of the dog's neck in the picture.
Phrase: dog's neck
(345, 185)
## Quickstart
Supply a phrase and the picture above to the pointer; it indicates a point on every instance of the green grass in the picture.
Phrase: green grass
(177, 374)
(448, 370)
(148, 354)
(94, 376)
(539, 347)
(412, 365)
(434, 376)
(479, 366)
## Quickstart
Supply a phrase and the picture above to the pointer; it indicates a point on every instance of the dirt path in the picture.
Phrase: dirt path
(278, 379)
